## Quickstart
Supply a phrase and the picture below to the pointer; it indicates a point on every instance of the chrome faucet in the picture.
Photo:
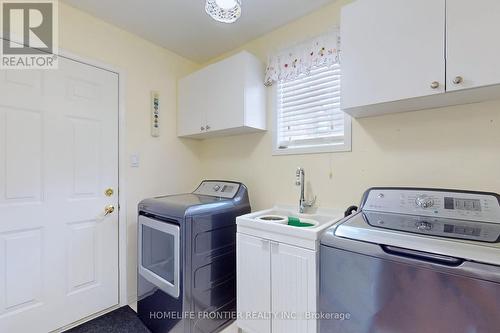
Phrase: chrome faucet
(300, 180)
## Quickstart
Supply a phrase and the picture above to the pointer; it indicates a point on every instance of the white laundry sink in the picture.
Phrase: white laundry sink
(272, 224)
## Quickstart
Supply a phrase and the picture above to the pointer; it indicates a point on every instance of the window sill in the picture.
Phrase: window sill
(312, 150)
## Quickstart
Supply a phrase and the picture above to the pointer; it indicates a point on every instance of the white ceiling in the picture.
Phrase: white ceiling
(183, 26)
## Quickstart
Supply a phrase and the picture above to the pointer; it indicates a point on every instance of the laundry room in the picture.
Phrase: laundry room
(321, 166)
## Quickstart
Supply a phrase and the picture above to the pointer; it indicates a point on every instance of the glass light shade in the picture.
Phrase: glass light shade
(226, 11)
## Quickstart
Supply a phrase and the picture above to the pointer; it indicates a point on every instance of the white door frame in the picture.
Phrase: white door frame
(122, 164)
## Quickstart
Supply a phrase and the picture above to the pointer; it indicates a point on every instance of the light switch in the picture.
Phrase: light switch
(134, 160)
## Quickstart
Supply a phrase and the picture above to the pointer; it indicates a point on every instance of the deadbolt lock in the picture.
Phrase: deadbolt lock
(109, 192)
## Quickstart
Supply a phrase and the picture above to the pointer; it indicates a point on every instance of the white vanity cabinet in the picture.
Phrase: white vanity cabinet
(275, 278)
(224, 98)
(418, 54)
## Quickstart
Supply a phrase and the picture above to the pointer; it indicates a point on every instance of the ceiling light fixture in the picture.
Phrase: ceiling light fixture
(225, 11)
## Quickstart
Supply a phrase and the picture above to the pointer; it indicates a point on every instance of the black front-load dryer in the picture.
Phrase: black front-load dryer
(187, 258)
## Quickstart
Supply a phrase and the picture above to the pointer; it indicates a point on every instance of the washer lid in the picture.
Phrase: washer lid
(359, 227)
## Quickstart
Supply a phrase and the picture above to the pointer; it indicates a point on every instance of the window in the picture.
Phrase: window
(308, 114)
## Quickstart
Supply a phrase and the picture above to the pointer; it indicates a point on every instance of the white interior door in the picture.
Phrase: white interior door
(58, 155)
(472, 43)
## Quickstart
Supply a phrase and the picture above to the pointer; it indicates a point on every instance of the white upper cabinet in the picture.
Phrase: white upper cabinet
(392, 50)
(473, 29)
(224, 98)
(418, 54)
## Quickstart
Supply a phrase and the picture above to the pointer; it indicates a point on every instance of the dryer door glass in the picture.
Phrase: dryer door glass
(159, 254)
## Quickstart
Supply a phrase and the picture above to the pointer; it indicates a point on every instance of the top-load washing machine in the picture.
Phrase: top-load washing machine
(187, 258)
(413, 260)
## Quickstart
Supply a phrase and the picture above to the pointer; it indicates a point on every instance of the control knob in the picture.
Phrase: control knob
(424, 201)
(424, 226)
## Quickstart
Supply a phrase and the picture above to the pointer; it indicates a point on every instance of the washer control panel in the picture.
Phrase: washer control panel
(218, 189)
(467, 206)
(433, 226)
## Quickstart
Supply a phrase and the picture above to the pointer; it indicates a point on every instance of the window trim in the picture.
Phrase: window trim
(334, 148)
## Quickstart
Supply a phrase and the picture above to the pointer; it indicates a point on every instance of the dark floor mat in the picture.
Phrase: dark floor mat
(122, 320)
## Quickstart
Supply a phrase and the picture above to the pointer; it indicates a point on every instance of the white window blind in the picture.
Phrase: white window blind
(308, 111)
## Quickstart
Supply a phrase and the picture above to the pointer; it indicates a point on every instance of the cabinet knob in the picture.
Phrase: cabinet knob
(458, 80)
(435, 85)
(202, 128)
(208, 127)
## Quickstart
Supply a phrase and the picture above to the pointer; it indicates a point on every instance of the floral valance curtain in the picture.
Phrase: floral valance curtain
(289, 63)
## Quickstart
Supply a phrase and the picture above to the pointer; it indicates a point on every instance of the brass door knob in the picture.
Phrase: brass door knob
(435, 85)
(109, 209)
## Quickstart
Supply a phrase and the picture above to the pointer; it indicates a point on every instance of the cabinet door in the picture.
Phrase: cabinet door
(253, 283)
(294, 288)
(392, 50)
(473, 43)
(225, 90)
(191, 116)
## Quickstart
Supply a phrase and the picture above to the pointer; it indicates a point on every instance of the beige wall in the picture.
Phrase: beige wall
(455, 147)
(167, 164)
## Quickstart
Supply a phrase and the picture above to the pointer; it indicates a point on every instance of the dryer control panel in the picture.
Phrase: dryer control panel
(452, 204)
(219, 189)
